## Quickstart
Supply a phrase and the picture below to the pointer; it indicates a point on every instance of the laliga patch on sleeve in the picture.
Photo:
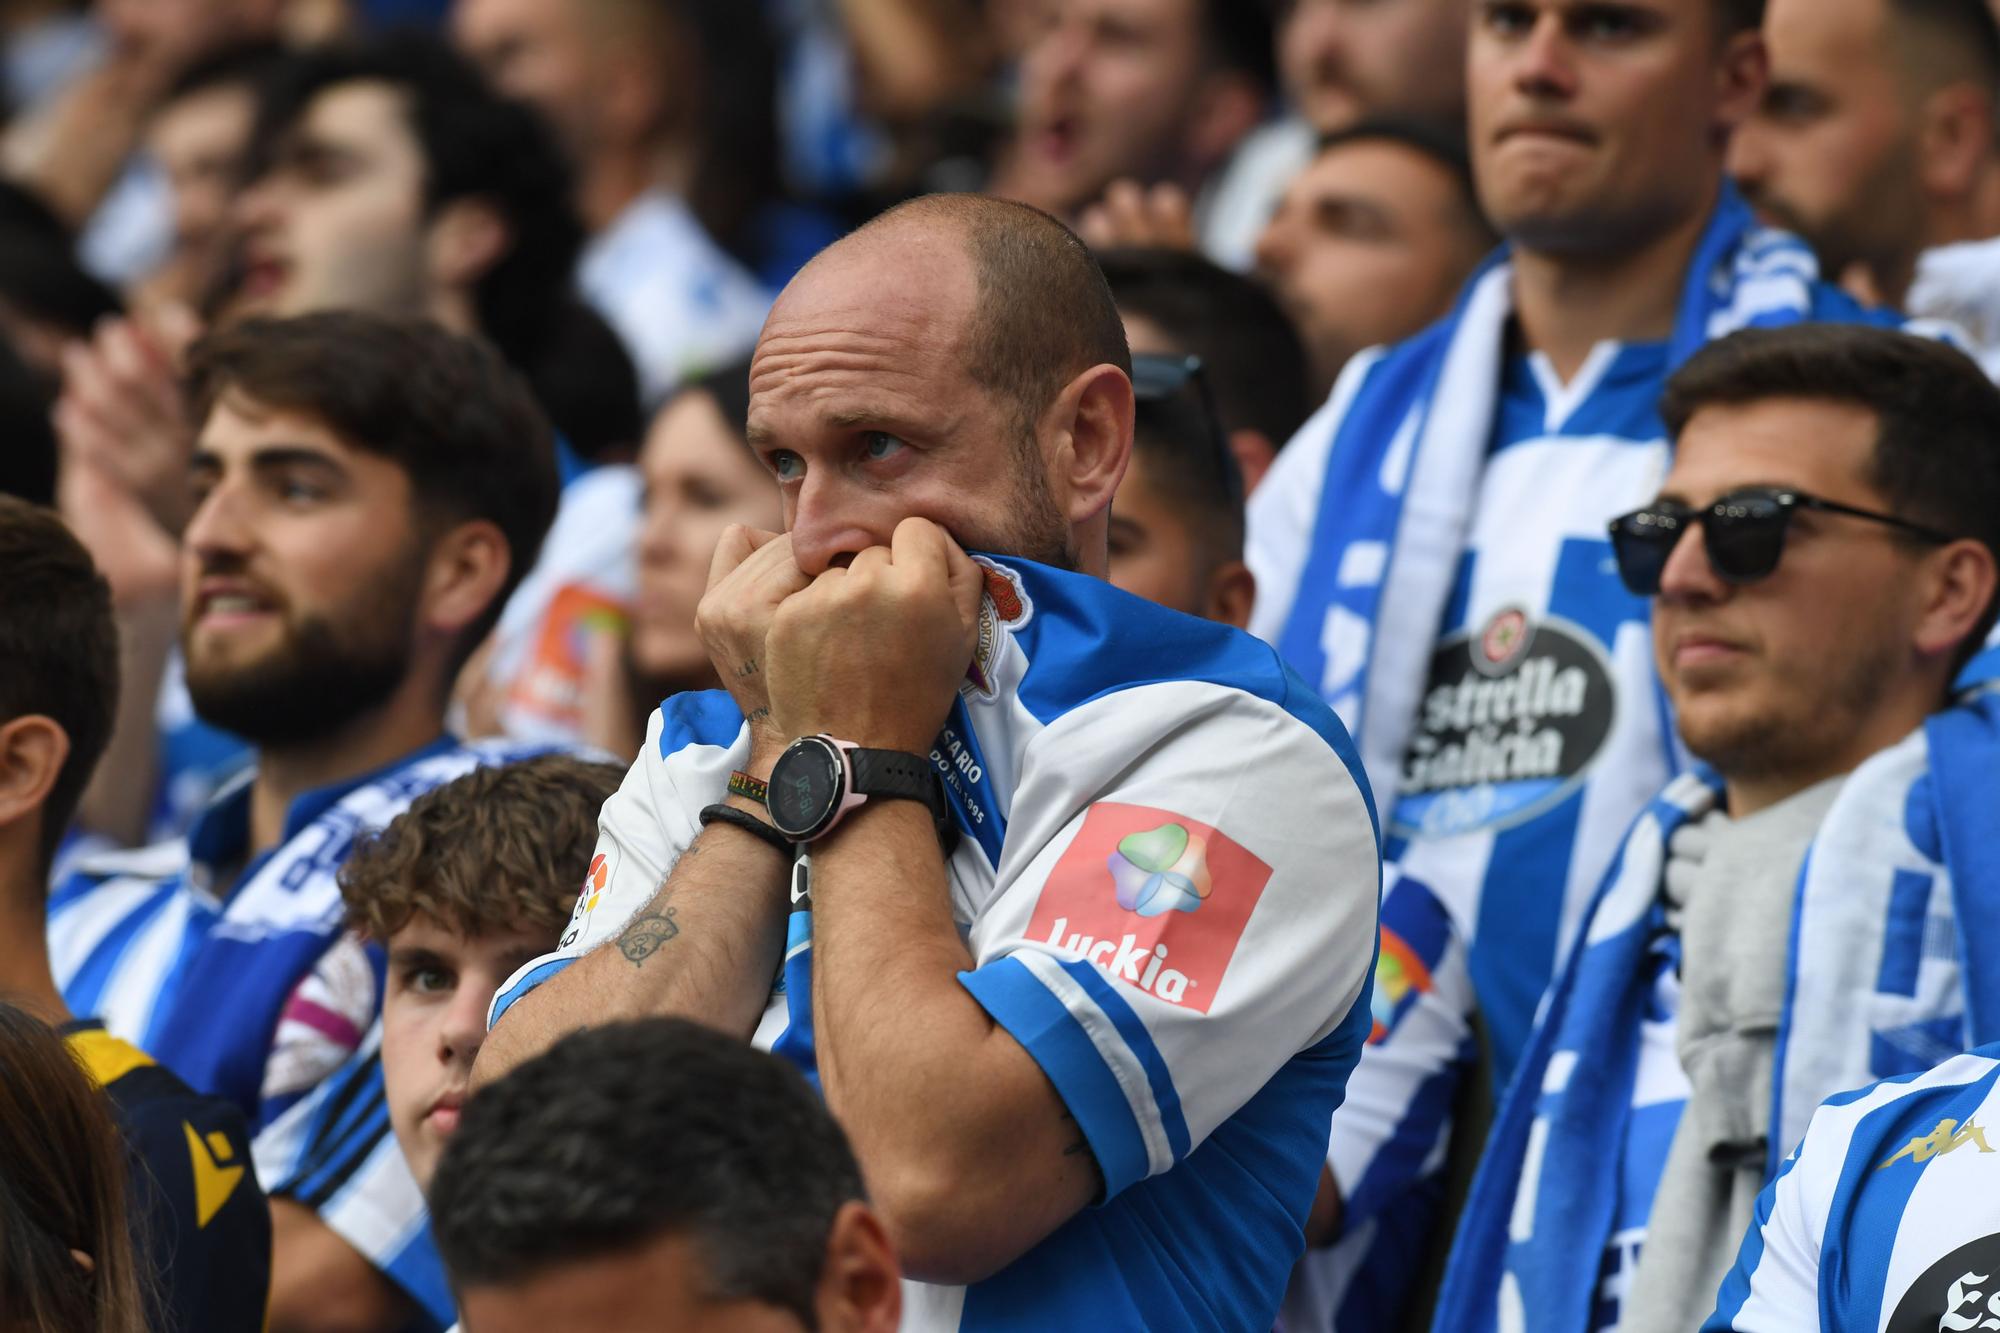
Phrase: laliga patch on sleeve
(1157, 900)
(595, 881)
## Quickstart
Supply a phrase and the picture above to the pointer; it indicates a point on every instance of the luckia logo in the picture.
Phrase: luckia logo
(1161, 870)
(1155, 899)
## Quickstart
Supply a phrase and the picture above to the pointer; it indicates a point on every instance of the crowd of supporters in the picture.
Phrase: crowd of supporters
(1281, 666)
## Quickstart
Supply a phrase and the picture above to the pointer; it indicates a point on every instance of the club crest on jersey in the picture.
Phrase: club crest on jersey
(1960, 1291)
(595, 881)
(1004, 607)
(1515, 713)
(1157, 900)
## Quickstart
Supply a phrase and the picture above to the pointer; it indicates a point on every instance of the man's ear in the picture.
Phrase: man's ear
(860, 1284)
(32, 752)
(468, 567)
(466, 239)
(1254, 455)
(1232, 590)
(1092, 426)
(1954, 137)
(1742, 72)
(1961, 586)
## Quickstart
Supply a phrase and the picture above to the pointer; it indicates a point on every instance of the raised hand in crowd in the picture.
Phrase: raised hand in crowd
(1132, 215)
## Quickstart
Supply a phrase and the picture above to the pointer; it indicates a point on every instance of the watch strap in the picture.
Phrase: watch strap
(897, 773)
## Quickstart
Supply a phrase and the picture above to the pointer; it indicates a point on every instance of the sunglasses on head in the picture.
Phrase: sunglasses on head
(1165, 383)
(1743, 533)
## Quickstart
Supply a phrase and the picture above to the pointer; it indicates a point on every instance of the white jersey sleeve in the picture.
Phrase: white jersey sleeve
(1186, 903)
(693, 742)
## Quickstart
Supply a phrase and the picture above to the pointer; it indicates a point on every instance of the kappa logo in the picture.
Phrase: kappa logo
(1948, 1137)
(1157, 900)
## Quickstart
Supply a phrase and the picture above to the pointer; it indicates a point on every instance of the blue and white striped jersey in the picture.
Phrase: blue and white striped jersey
(333, 1153)
(203, 973)
(1168, 883)
(1886, 1218)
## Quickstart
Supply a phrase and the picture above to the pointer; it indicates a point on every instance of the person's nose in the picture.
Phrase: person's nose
(1687, 576)
(1750, 158)
(219, 531)
(825, 531)
(1276, 245)
(464, 1026)
(1545, 64)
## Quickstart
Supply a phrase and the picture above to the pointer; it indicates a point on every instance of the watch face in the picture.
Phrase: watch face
(805, 788)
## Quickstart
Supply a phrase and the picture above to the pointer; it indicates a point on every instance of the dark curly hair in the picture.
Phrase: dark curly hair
(500, 849)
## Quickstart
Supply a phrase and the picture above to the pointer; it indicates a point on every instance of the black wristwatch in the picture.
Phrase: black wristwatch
(818, 780)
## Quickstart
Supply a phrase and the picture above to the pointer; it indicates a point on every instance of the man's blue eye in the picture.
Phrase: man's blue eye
(880, 445)
(786, 465)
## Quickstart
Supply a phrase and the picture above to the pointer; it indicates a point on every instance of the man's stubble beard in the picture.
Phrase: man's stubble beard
(323, 676)
(1037, 529)
(1774, 746)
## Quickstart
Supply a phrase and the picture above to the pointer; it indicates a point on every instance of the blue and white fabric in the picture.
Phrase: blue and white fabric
(333, 1152)
(1887, 1216)
(1431, 552)
(1202, 1040)
(197, 968)
(1391, 1133)
(1891, 969)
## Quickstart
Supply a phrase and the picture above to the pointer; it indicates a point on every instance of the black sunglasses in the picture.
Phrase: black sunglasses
(1743, 533)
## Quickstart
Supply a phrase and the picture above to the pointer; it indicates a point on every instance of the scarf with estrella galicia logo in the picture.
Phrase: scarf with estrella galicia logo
(1894, 965)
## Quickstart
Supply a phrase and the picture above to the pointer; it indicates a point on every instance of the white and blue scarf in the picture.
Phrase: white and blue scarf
(1402, 479)
(1898, 919)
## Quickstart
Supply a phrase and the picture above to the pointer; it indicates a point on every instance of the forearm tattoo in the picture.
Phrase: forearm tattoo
(644, 935)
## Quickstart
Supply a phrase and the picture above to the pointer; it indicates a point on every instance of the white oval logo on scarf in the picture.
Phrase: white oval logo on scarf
(1514, 715)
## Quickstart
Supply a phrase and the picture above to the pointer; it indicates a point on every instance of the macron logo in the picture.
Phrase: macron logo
(1155, 900)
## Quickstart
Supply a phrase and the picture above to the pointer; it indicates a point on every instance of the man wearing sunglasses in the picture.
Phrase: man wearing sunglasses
(1808, 909)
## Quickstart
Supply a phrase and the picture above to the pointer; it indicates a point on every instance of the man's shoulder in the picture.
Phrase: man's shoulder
(1084, 640)
(1085, 644)
(163, 1119)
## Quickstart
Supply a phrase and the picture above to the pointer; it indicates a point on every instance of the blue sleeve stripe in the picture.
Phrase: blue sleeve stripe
(1398, 1164)
(1160, 1079)
(1045, 1027)
(513, 994)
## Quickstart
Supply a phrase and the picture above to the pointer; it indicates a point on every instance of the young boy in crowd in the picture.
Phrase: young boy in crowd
(475, 879)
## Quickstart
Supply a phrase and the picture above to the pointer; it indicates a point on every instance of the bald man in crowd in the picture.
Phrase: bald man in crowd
(1878, 140)
(1079, 947)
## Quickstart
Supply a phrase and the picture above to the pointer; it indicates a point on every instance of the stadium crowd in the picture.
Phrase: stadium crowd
(1278, 666)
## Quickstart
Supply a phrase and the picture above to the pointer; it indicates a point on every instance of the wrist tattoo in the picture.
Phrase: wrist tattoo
(642, 938)
(749, 668)
(758, 715)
